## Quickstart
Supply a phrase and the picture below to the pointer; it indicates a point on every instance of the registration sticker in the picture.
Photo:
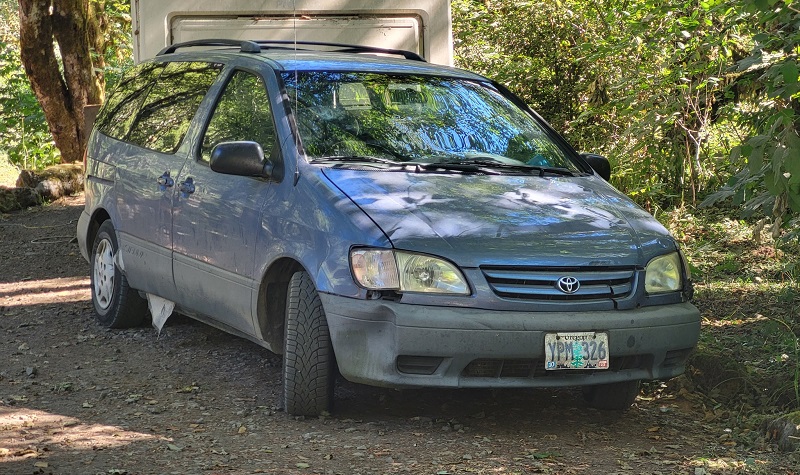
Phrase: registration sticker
(576, 350)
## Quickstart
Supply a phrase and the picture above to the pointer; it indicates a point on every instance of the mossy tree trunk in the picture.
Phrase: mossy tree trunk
(56, 40)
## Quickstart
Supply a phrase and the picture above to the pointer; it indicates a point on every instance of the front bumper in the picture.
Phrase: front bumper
(384, 343)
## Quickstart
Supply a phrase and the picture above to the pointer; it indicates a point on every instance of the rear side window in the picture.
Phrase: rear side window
(120, 109)
(170, 105)
(154, 108)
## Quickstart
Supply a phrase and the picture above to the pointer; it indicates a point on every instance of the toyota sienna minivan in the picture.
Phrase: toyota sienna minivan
(367, 214)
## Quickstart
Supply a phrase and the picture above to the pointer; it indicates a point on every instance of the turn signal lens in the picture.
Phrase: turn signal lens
(374, 269)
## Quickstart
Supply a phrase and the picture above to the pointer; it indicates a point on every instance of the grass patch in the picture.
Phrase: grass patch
(746, 287)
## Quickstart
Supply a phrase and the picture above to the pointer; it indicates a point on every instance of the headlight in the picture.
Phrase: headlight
(664, 274)
(378, 269)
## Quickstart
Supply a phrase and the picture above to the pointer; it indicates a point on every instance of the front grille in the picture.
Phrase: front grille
(534, 368)
(496, 368)
(523, 283)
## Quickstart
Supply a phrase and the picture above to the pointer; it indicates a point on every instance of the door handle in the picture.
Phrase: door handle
(165, 181)
(186, 187)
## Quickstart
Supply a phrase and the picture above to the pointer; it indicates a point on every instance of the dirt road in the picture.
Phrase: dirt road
(76, 398)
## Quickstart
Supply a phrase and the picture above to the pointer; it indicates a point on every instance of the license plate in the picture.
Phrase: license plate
(576, 350)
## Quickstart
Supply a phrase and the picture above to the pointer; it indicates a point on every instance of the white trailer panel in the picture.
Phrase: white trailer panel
(421, 26)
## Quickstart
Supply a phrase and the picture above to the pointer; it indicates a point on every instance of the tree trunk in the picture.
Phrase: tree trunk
(62, 95)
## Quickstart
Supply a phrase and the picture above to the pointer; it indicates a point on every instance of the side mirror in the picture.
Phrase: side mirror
(599, 164)
(240, 158)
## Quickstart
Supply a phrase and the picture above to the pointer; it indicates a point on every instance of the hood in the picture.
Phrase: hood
(478, 220)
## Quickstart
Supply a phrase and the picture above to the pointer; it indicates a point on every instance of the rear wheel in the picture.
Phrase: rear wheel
(308, 359)
(612, 396)
(116, 305)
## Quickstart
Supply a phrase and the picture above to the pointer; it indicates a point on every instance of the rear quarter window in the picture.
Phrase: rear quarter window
(154, 107)
(122, 105)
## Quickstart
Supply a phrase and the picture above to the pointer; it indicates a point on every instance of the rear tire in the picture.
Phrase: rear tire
(612, 396)
(116, 305)
(308, 359)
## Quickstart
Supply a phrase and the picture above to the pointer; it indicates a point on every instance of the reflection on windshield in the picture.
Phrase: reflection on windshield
(420, 119)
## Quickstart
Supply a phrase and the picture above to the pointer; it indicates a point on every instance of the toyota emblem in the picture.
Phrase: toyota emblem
(568, 284)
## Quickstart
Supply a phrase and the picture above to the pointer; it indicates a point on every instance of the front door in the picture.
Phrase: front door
(216, 217)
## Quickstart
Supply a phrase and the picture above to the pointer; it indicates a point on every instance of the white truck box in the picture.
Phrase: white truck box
(421, 26)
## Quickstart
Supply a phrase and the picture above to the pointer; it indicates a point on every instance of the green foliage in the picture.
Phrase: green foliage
(768, 183)
(24, 135)
(678, 53)
(118, 54)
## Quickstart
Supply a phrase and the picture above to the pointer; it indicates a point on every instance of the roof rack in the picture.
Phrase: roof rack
(340, 48)
(247, 46)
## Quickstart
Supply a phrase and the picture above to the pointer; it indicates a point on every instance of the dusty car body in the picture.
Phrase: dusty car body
(396, 222)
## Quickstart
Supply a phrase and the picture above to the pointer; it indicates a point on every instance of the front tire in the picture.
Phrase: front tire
(612, 396)
(116, 305)
(308, 359)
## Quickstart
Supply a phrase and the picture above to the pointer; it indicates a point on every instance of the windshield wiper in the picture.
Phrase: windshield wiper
(460, 166)
(486, 166)
(523, 167)
(494, 167)
(355, 158)
(553, 170)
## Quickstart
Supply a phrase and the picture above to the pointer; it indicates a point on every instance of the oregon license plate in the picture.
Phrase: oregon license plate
(576, 350)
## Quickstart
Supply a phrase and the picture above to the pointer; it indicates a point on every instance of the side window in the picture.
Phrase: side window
(243, 113)
(170, 105)
(117, 114)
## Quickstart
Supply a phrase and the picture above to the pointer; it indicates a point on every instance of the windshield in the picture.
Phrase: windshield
(416, 119)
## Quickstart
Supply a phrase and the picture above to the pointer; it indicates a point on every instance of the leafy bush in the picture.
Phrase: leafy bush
(768, 183)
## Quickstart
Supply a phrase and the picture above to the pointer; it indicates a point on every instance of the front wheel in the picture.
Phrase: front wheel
(308, 359)
(116, 305)
(612, 396)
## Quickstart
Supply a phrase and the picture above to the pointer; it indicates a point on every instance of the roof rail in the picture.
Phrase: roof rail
(339, 48)
(244, 45)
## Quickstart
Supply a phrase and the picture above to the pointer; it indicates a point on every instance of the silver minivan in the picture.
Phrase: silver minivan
(370, 215)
